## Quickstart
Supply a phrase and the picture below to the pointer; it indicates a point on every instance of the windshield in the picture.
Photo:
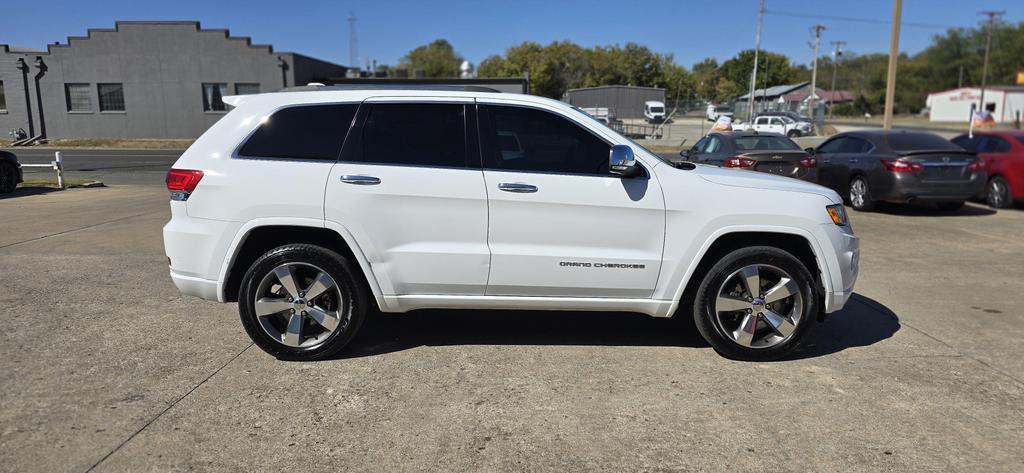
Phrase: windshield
(789, 121)
(903, 141)
(765, 143)
(612, 131)
(657, 109)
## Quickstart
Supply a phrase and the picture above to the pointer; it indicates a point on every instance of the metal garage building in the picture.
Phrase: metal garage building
(145, 79)
(625, 101)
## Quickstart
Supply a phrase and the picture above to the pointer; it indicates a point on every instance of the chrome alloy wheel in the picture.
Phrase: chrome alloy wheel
(759, 306)
(997, 193)
(300, 305)
(858, 189)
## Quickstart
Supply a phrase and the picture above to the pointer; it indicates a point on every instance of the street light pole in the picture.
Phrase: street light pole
(894, 51)
(814, 71)
(838, 51)
(753, 74)
(988, 45)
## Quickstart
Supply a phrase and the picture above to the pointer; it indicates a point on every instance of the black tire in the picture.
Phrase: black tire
(997, 194)
(8, 178)
(949, 206)
(866, 203)
(706, 320)
(793, 134)
(352, 307)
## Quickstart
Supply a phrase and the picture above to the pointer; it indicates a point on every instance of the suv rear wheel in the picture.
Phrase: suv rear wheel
(301, 302)
(756, 304)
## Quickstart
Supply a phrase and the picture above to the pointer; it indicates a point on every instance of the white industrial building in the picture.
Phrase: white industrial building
(1003, 102)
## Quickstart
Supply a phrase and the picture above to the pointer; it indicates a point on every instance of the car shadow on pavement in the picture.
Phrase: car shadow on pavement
(28, 190)
(862, 322)
(926, 210)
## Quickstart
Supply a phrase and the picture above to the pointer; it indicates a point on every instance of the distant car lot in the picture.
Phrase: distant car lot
(106, 364)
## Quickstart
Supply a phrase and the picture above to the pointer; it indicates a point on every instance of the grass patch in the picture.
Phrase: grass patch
(69, 183)
(119, 143)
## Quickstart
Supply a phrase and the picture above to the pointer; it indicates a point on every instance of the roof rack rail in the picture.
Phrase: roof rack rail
(314, 86)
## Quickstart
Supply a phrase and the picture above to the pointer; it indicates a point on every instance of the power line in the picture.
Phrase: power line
(857, 20)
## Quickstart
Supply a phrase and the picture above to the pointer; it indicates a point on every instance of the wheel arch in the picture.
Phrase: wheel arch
(257, 239)
(794, 241)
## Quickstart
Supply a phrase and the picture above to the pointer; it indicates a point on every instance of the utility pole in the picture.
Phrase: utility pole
(753, 74)
(894, 51)
(353, 46)
(988, 45)
(817, 29)
(836, 52)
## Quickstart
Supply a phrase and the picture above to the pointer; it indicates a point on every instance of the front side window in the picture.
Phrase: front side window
(548, 142)
(853, 145)
(213, 97)
(78, 97)
(714, 144)
(700, 145)
(111, 97)
(993, 144)
(415, 134)
(832, 146)
(246, 89)
(304, 132)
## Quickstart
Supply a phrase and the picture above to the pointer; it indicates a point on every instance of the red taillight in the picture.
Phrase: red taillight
(976, 166)
(738, 162)
(809, 162)
(183, 180)
(896, 165)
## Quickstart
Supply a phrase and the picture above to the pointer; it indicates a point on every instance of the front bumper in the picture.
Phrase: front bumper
(843, 266)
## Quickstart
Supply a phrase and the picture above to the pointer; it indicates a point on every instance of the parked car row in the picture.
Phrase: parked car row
(873, 166)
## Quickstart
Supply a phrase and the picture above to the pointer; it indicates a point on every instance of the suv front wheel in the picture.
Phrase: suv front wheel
(756, 304)
(301, 302)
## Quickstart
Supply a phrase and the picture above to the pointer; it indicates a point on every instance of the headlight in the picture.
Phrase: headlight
(838, 214)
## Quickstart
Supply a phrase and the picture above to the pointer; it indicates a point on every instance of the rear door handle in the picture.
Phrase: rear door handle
(517, 187)
(853, 161)
(360, 180)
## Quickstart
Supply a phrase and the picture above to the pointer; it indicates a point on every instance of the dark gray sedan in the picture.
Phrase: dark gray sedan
(765, 152)
(899, 166)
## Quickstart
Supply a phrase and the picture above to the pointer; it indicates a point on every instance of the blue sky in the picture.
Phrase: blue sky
(690, 30)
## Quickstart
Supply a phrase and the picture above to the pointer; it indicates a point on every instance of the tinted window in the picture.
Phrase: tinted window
(832, 146)
(547, 142)
(699, 147)
(902, 141)
(993, 144)
(750, 143)
(853, 145)
(965, 142)
(714, 144)
(306, 132)
(415, 134)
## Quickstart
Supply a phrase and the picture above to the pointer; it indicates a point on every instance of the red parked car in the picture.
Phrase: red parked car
(1003, 154)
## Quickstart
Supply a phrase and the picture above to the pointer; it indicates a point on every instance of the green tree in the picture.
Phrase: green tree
(437, 59)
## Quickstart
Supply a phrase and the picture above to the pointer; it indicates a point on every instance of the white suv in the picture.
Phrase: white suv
(312, 209)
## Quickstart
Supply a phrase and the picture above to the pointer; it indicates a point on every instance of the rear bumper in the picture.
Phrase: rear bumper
(903, 187)
(192, 286)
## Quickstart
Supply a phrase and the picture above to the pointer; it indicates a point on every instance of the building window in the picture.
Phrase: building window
(78, 97)
(3, 98)
(111, 97)
(213, 97)
(246, 89)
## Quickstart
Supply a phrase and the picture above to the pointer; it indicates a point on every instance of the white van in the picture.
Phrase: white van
(654, 111)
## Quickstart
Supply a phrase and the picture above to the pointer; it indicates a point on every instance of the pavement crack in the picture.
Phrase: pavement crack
(65, 232)
(168, 408)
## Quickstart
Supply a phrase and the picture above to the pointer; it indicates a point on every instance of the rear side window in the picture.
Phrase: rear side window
(903, 141)
(854, 145)
(303, 132)
(993, 144)
(420, 134)
(546, 142)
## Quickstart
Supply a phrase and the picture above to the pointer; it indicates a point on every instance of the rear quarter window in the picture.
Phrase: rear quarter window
(314, 132)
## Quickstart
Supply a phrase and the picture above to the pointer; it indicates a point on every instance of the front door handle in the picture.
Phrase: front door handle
(360, 180)
(517, 187)
(854, 161)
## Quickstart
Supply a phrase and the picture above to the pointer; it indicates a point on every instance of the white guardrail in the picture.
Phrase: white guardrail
(57, 165)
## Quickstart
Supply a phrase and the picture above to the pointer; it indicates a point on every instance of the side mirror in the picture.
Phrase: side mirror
(809, 151)
(685, 154)
(622, 162)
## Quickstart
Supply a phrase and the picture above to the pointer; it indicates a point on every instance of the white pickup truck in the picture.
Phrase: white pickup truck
(775, 124)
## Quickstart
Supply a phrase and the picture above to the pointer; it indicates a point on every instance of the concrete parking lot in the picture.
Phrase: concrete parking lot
(107, 368)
